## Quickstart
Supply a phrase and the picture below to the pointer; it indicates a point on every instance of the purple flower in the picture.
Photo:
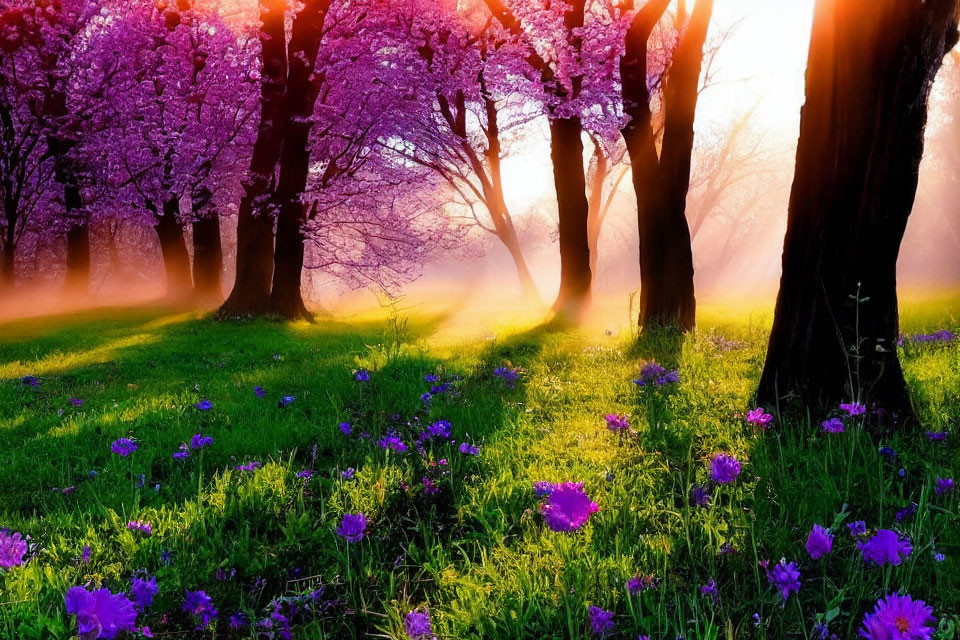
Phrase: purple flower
(937, 436)
(100, 614)
(392, 442)
(617, 421)
(417, 625)
(30, 381)
(819, 542)
(199, 605)
(259, 392)
(542, 488)
(123, 447)
(785, 577)
(76, 402)
(832, 425)
(857, 528)
(441, 429)
(286, 401)
(253, 465)
(508, 374)
(305, 474)
(361, 375)
(699, 497)
(601, 622)
(12, 549)
(199, 442)
(469, 449)
(182, 454)
(944, 486)
(652, 373)
(85, 554)
(567, 507)
(143, 590)
(887, 452)
(899, 617)
(204, 405)
(638, 583)
(352, 527)
(348, 474)
(239, 621)
(432, 378)
(759, 417)
(709, 589)
(426, 398)
(885, 546)
(141, 527)
(345, 428)
(724, 468)
(853, 408)
(906, 512)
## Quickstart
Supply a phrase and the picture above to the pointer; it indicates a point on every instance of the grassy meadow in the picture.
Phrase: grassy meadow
(455, 534)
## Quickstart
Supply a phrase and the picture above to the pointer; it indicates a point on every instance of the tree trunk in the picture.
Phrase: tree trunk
(566, 151)
(509, 238)
(7, 263)
(251, 288)
(77, 281)
(173, 246)
(207, 258)
(869, 72)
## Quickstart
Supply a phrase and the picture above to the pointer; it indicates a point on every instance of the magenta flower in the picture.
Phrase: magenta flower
(853, 408)
(617, 421)
(819, 542)
(567, 507)
(899, 617)
(141, 527)
(123, 447)
(429, 486)
(100, 614)
(785, 577)
(759, 417)
(352, 527)
(12, 549)
(724, 468)
(601, 622)
(832, 425)
(885, 546)
(417, 625)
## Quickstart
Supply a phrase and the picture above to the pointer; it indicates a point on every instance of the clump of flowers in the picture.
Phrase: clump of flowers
(100, 614)
(853, 408)
(141, 527)
(259, 392)
(654, 374)
(12, 549)
(617, 421)
(417, 625)
(943, 486)
(885, 547)
(253, 465)
(699, 496)
(936, 436)
(785, 577)
(143, 590)
(199, 605)
(601, 622)
(639, 583)
(819, 542)
(832, 425)
(724, 468)
(353, 527)
(542, 488)
(508, 375)
(429, 486)
(943, 335)
(123, 447)
(200, 441)
(392, 442)
(204, 405)
(182, 454)
(899, 617)
(361, 375)
(857, 528)
(759, 417)
(567, 507)
(30, 381)
(469, 449)
(348, 473)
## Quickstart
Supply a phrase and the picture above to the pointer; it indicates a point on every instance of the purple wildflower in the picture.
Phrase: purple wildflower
(123, 447)
(345, 428)
(819, 542)
(785, 577)
(601, 622)
(885, 546)
(508, 374)
(617, 421)
(652, 373)
(699, 497)
(139, 526)
(100, 614)
(899, 617)
(887, 452)
(143, 590)
(638, 583)
(709, 589)
(361, 375)
(432, 378)
(853, 408)
(76, 402)
(429, 486)
(12, 549)
(85, 554)
(417, 625)
(286, 401)
(306, 474)
(30, 381)
(759, 417)
(199, 605)
(832, 425)
(259, 392)
(542, 488)
(348, 474)
(937, 436)
(253, 465)
(199, 441)
(724, 468)
(352, 527)
(857, 528)
(426, 398)
(944, 486)
(182, 454)
(907, 512)
(204, 405)
(567, 507)
(392, 442)
(469, 449)
(239, 621)
(441, 429)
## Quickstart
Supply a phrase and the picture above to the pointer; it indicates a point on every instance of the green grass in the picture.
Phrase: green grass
(477, 553)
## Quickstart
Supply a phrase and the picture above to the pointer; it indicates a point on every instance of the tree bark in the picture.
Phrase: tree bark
(251, 288)
(7, 261)
(870, 68)
(566, 152)
(173, 246)
(207, 258)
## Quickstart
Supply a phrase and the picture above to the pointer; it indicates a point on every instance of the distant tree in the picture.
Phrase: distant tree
(869, 72)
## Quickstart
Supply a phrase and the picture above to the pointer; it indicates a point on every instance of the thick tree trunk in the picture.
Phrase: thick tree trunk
(207, 258)
(7, 263)
(566, 151)
(173, 246)
(869, 72)
(77, 281)
(251, 288)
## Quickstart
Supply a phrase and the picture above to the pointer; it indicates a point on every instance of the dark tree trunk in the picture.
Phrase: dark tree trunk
(207, 258)
(869, 72)
(7, 262)
(251, 288)
(77, 281)
(173, 246)
(303, 87)
(566, 152)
